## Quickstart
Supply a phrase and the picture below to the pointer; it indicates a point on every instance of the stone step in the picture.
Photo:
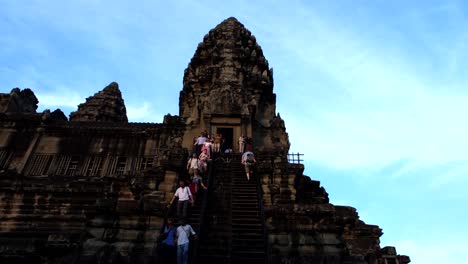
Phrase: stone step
(254, 248)
(247, 227)
(247, 241)
(246, 220)
(239, 223)
(244, 201)
(247, 217)
(213, 258)
(248, 259)
(247, 254)
(251, 208)
(246, 206)
(243, 211)
(239, 194)
(242, 187)
(247, 234)
(244, 229)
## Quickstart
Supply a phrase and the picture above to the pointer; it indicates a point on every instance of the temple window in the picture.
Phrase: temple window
(4, 156)
(73, 166)
(62, 162)
(40, 164)
(144, 163)
(93, 166)
(121, 163)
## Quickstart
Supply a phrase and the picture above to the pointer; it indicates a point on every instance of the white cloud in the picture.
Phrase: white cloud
(138, 112)
(51, 100)
(458, 174)
(143, 113)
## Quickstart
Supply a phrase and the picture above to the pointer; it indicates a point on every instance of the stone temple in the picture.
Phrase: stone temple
(94, 188)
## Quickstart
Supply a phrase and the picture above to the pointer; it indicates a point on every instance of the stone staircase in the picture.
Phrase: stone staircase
(193, 214)
(247, 227)
(233, 230)
(215, 235)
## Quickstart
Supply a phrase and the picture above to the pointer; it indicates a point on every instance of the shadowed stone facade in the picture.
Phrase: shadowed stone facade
(94, 188)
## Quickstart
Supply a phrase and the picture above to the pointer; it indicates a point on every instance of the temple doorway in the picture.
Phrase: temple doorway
(228, 135)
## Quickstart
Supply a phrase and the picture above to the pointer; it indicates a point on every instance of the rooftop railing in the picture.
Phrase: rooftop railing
(295, 158)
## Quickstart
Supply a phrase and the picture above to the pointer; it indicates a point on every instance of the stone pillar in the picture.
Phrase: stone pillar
(207, 123)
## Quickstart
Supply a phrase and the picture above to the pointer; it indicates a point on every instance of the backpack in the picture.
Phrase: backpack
(250, 158)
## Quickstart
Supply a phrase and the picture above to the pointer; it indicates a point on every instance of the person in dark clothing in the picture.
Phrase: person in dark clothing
(168, 244)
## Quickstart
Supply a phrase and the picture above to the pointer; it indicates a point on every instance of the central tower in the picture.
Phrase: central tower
(228, 88)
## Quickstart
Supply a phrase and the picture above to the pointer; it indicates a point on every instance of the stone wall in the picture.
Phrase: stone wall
(84, 192)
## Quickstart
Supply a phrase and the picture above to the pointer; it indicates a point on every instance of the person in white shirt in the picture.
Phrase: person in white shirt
(183, 241)
(184, 195)
(248, 160)
(192, 165)
(199, 143)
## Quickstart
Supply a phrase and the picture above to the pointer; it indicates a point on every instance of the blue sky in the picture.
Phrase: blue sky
(372, 92)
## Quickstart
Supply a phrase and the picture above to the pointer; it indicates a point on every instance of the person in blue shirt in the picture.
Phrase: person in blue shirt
(168, 244)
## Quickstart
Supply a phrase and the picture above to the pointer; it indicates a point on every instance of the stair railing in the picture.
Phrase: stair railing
(262, 217)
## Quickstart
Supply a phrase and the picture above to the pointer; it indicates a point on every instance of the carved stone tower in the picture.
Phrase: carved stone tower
(228, 88)
(105, 106)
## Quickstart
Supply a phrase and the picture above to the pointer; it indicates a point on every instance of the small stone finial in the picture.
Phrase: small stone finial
(58, 114)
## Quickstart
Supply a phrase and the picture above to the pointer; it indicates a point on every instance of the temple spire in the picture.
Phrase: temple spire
(228, 66)
(104, 106)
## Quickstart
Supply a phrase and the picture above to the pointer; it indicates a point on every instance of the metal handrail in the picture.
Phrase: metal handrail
(295, 158)
(262, 216)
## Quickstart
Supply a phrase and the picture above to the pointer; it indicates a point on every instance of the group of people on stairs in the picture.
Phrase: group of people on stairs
(174, 241)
